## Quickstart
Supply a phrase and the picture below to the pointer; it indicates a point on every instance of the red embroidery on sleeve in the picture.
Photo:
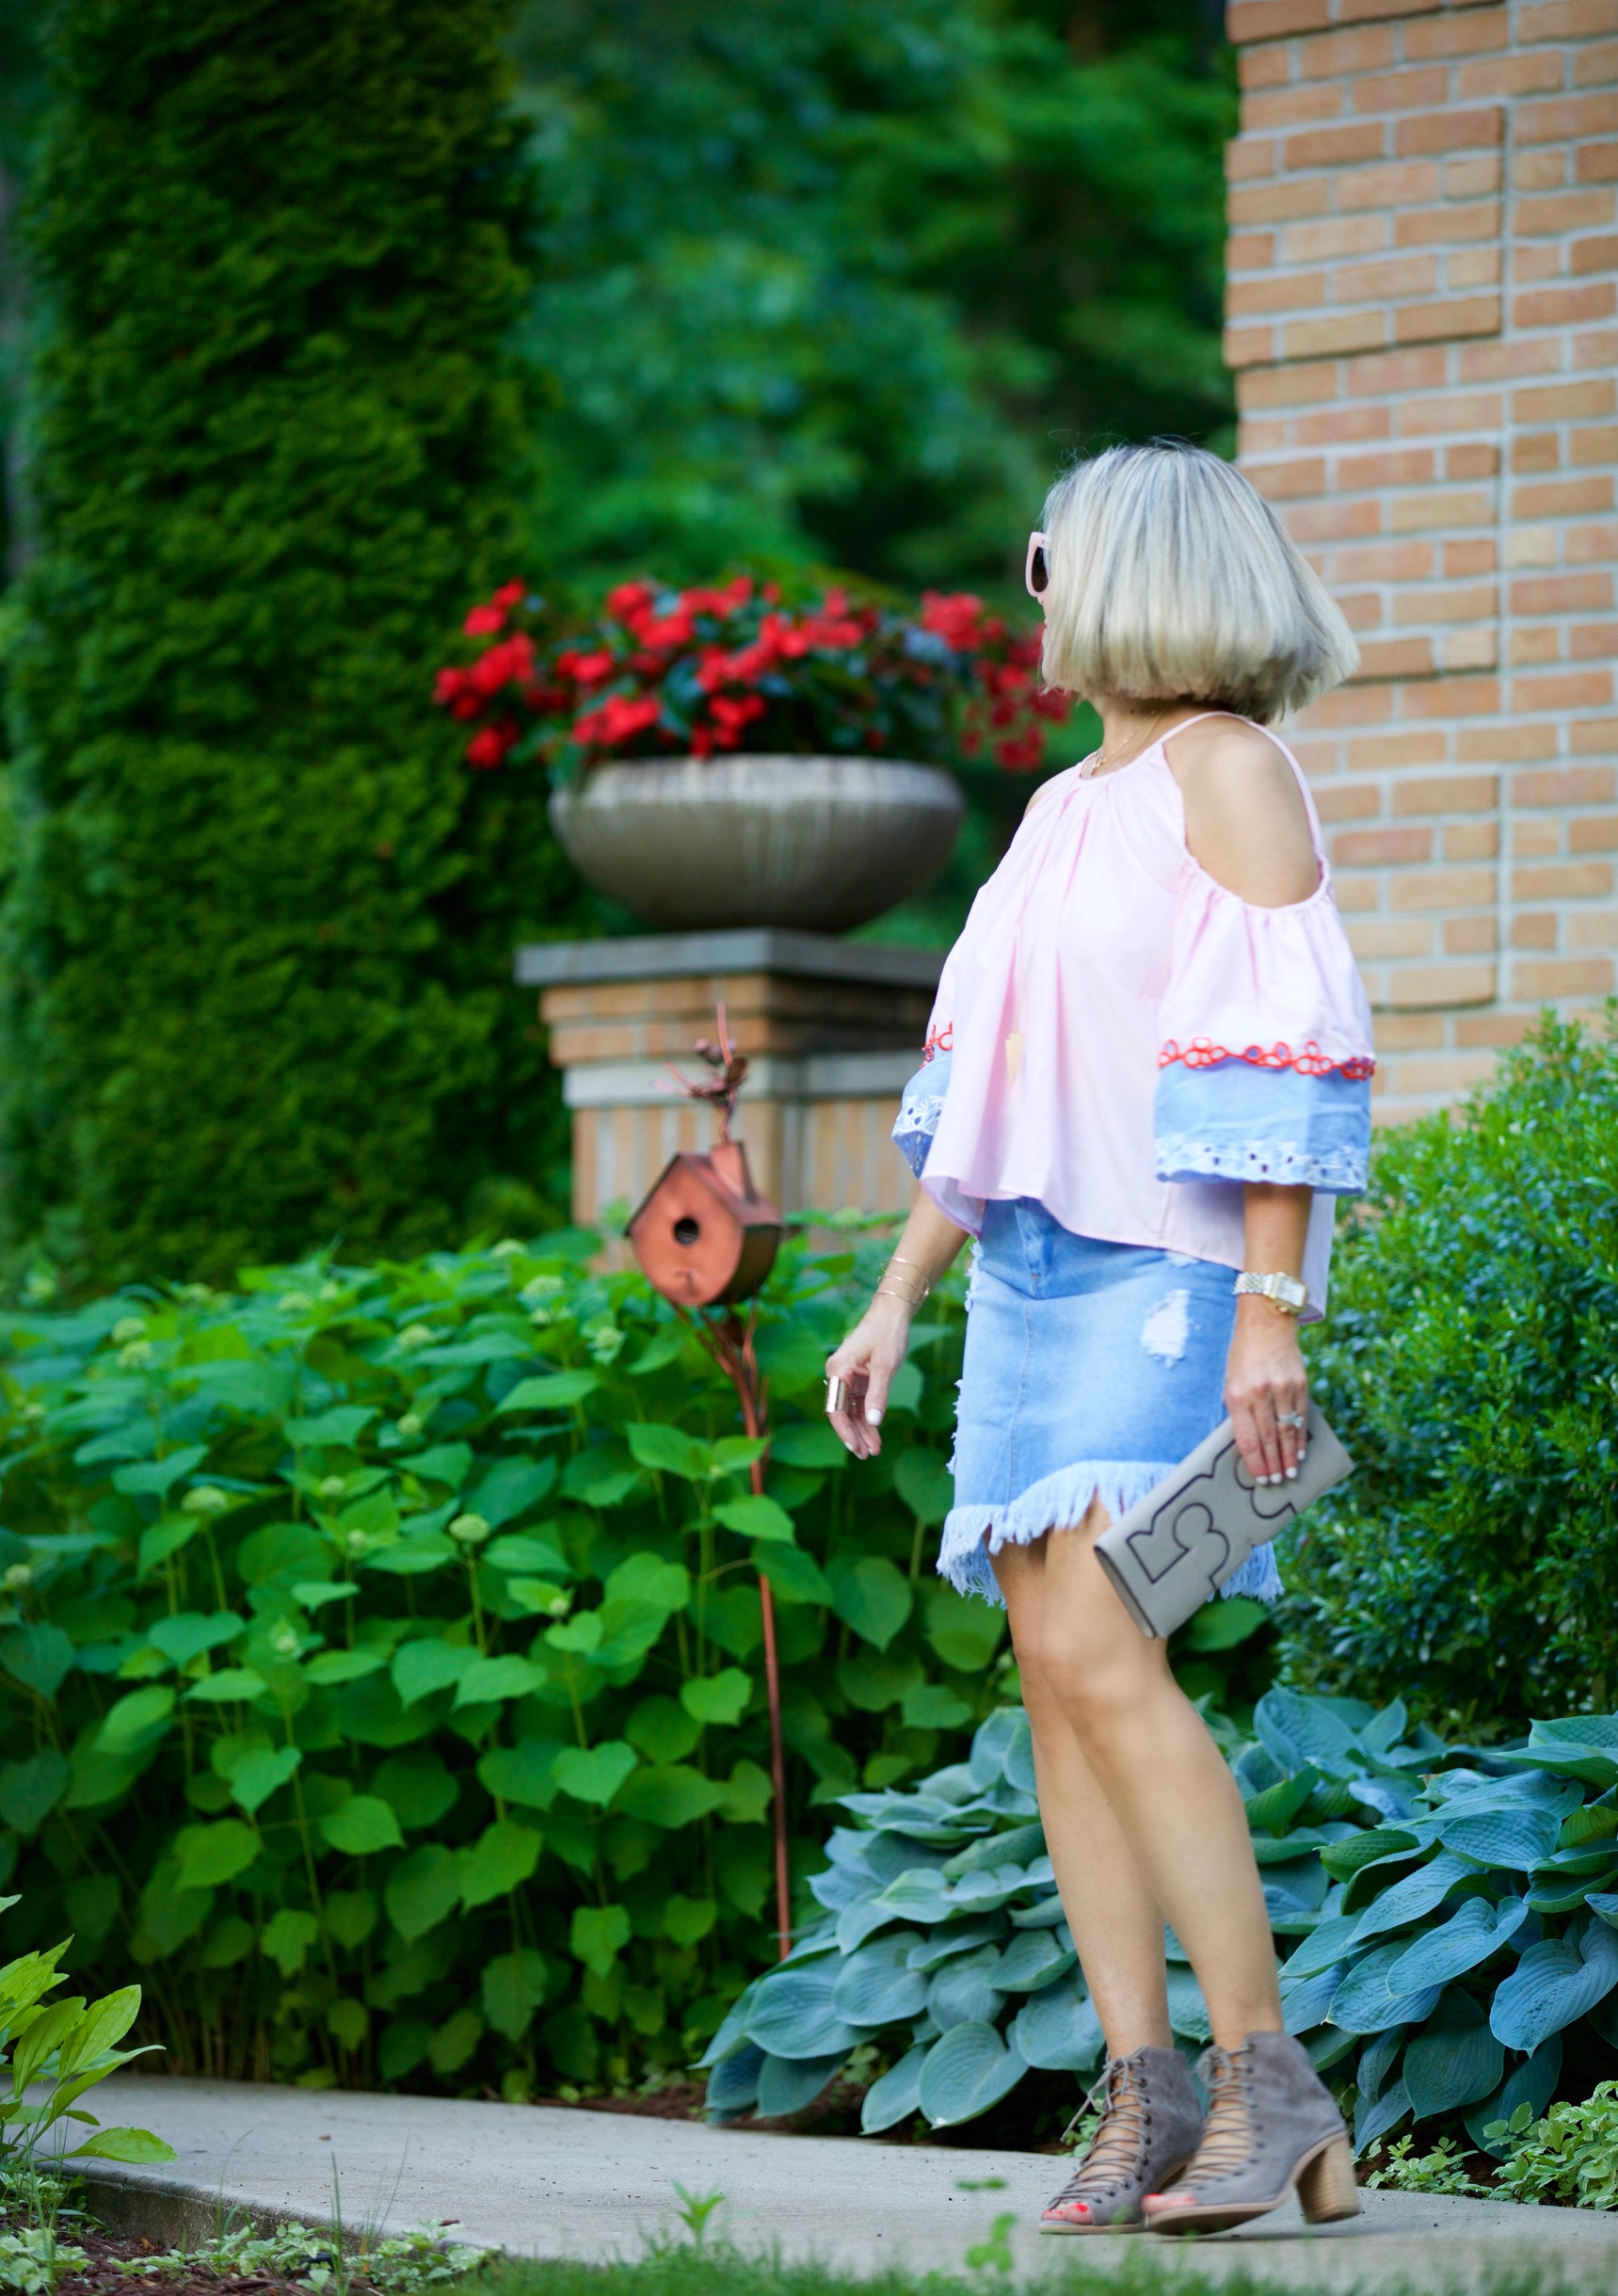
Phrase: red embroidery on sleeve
(1203, 1053)
(940, 1040)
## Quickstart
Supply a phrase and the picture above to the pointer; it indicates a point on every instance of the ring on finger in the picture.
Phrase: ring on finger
(835, 1395)
(1290, 1419)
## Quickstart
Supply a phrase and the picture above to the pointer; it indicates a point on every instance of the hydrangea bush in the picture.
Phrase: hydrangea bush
(660, 672)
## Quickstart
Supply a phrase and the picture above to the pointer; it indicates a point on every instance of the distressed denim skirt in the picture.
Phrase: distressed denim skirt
(1091, 1369)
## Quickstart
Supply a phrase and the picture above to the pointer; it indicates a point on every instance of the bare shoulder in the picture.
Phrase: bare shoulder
(1245, 820)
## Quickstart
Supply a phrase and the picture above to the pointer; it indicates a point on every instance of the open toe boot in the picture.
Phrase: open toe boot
(1272, 2130)
(1150, 2124)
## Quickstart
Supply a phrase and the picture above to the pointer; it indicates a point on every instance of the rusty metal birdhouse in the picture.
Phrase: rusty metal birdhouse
(704, 1236)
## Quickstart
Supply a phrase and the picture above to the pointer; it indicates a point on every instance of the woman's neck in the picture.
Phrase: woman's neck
(1128, 725)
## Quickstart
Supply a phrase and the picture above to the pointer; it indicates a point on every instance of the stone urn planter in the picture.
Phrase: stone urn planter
(819, 843)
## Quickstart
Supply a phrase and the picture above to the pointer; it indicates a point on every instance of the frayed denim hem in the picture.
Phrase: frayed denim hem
(1057, 1503)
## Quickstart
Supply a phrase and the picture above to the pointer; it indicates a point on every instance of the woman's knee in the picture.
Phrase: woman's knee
(1086, 1677)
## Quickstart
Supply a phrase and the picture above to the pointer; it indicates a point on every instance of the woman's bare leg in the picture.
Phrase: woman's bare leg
(1116, 1923)
(1144, 1782)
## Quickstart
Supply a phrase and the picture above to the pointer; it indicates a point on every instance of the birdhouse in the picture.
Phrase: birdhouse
(704, 1236)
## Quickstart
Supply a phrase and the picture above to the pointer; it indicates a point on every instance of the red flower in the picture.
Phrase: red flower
(507, 594)
(586, 668)
(629, 597)
(512, 660)
(618, 719)
(489, 746)
(447, 685)
(955, 618)
(483, 621)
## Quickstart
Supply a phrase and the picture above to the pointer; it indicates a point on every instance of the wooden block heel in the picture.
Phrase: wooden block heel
(1326, 2189)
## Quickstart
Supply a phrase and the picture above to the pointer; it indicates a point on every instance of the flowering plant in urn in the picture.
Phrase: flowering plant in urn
(659, 672)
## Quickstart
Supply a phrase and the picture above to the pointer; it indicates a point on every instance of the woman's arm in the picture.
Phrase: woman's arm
(1264, 1375)
(875, 1349)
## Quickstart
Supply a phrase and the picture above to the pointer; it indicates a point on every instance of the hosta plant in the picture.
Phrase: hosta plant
(1447, 1918)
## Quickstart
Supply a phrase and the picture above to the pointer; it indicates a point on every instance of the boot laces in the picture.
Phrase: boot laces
(1118, 2145)
(1227, 2133)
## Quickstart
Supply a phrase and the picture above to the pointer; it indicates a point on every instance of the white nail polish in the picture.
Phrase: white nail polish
(1291, 1474)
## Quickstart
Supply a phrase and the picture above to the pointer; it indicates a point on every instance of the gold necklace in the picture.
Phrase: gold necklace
(1099, 760)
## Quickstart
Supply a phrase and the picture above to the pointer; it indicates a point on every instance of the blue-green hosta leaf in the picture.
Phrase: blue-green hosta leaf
(1323, 1946)
(956, 1937)
(1188, 2011)
(793, 2013)
(967, 2071)
(1363, 2003)
(671, 1794)
(1293, 1892)
(1532, 2083)
(1475, 1931)
(1016, 1847)
(1518, 1838)
(731, 2034)
(1374, 2118)
(1555, 1983)
(186, 1636)
(1454, 2061)
(1386, 1731)
(1296, 1729)
(363, 1824)
(1414, 1897)
(963, 1990)
(1305, 2004)
(993, 1741)
(1059, 2030)
(855, 1923)
(896, 2096)
(733, 2084)
(920, 1895)
(788, 2084)
(1020, 1754)
(1606, 1905)
(1032, 1959)
(876, 1986)
(594, 1775)
(1045, 1914)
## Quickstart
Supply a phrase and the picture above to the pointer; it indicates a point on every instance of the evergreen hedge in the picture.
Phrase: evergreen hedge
(1471, 1566)
(258, 941)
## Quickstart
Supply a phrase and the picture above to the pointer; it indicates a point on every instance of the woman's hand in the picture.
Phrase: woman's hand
(866, 1363)
(1265, 1384)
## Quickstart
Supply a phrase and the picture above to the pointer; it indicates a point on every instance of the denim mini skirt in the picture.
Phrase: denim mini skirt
(1091, 1369)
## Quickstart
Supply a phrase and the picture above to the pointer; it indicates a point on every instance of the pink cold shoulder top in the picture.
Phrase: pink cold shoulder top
(1121, 1039)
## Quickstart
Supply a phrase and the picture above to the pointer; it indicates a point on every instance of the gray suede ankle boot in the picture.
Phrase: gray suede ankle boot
(1272, 2128)
(1150, 2124)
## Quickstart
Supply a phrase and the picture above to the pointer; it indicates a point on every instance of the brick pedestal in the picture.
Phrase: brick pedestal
(1424, 285)
(831, 1029)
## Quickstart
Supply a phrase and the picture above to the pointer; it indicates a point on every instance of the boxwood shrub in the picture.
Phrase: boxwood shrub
(1471, 1566)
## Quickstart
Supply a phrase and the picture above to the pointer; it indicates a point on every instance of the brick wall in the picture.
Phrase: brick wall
(1421, 313)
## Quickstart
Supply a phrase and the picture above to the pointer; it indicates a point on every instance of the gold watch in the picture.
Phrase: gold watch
(1283, 1292)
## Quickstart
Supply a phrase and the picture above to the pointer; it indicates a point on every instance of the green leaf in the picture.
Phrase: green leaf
(522, 1774)
(793, 1575)
(260, 1773)
(329, 1666)
(362, 1825)
(662, 1730)
(186, 1637)
(672, 1795)
(136, 1717)
(594, 1775)
(428, 1665)
(489, 1680)
(932, 1707)
(870, 1596)
(351, 1915)
(717, 1699)
(423, 1887)
(873, 1683)
(923, 1482)
(688, 1920)
(232, 1685)
(748, 1795)
(448, 1464)
(554, 1391)
(132, 2144)
(503, 1855)
(338, 1429)
(159, 1475)
(1454, 2061)
(31, 1790)
(1221, 1626)
(669, 1450)
(645, 1578)
(965, 1634)
(37, 1657)
(510, 1486)
(519, 1551)
(815, 1444)
(597, 1935)
(757, 1517)
(287, 1937)
(210, 1855)
(513, 1989)
(412, 1556)
(417, 1787)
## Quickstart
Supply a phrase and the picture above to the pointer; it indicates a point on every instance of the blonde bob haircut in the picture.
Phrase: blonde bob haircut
(1170, 578)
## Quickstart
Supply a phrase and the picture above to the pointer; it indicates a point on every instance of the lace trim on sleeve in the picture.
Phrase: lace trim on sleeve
(1310, 1061)
(1286, 1163)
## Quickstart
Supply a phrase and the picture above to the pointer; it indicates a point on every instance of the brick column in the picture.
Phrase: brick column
(1422, 305)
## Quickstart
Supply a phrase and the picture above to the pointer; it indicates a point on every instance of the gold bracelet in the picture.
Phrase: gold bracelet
(882, 1293)
(897, 1263)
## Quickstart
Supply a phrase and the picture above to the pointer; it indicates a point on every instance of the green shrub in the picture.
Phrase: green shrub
(1448, 1917)
(258, 947)
(381, 1649)
(1571, 2156)
(1471, 1566)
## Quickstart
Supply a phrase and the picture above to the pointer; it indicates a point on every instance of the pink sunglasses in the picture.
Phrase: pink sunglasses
(1036, 570)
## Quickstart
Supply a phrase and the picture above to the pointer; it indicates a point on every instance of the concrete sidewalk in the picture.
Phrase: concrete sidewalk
(547, 2182)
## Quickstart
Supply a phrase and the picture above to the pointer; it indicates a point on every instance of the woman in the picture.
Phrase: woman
(1147, 1075)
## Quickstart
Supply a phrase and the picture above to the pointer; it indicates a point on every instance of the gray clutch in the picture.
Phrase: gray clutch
(1180, 1544)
